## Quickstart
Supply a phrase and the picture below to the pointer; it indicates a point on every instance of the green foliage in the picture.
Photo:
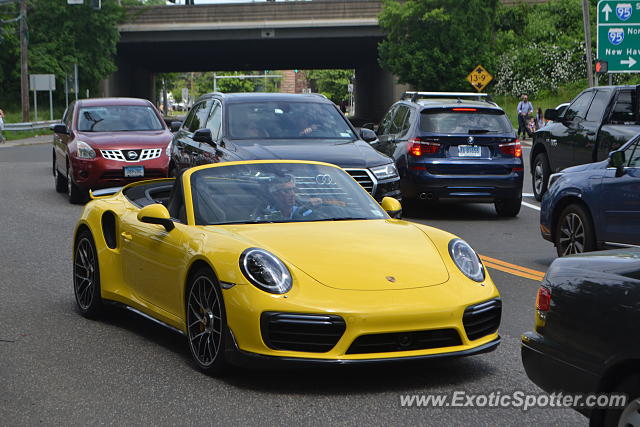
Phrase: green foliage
(331, 83)
(59, 36)
(434, 44)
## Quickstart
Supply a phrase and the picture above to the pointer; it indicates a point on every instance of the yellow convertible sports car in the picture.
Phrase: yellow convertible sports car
(282, 261)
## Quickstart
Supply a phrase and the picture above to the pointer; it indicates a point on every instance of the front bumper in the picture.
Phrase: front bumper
(390, 188)
(365, 313)
(244, 358)
(104, 173)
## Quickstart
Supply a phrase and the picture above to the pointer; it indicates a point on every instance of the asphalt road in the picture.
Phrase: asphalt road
(58, 368)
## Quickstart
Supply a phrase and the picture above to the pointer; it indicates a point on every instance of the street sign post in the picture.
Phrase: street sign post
(480, 78)
(42, 82)
(619, 35)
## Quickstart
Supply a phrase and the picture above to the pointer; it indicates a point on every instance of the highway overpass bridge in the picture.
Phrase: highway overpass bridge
(255, 36)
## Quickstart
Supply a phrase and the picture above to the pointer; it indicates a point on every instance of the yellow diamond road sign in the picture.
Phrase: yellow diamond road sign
(479, 78)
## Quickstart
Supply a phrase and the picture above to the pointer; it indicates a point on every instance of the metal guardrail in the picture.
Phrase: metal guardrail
(29, 125)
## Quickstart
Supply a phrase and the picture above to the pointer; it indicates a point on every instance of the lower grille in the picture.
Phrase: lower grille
(482, 319)
(363, 178)
(315, 333)
(119, 174)
(404, 341)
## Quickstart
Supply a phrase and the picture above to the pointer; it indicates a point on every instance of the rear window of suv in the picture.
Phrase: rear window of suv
(464, 121)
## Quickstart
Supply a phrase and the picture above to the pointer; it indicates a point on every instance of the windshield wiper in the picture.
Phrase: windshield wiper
(348, 218)
(245, 222)
(89, 116)
(475, 131)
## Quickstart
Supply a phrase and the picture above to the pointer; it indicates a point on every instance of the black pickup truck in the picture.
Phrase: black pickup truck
(599, 120)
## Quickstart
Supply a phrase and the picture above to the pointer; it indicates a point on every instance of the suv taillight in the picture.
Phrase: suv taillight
(543, 299)
(419, 147)
(513, 149)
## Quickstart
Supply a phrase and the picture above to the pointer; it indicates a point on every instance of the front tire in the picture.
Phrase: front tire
(75, 194)
(574, 232)
(59, 180)
(508, 207)
(206, 322)
(86, 275)
(541, 172)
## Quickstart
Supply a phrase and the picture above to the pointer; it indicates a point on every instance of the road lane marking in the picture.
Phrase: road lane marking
(514, 269)
(513, 266)
(529, 205)
(514, 272)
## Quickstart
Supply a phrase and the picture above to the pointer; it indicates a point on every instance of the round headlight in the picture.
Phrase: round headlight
(265, 271)
(466, 259)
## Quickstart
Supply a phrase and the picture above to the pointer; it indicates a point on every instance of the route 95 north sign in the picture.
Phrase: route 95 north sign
(619, 35)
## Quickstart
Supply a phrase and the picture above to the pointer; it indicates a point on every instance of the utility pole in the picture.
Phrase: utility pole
(587, 40)
(24, 62)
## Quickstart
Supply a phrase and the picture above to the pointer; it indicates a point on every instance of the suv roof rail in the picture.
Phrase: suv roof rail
(415, 96)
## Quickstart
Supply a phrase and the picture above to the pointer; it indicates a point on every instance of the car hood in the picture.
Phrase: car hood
(351, 154)
(368, 255)
(589, 166)
(126, 140)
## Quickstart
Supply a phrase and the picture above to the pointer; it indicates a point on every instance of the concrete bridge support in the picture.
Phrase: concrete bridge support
(375, 91)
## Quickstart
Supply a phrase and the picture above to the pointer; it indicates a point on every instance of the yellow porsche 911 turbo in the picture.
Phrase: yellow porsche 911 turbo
(292, 261)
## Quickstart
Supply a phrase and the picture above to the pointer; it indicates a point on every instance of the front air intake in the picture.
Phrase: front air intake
(315, 333)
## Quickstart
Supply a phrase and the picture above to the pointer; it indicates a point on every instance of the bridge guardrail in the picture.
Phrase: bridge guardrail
(29, 125)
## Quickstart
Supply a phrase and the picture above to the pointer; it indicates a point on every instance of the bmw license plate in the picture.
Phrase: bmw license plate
(469, 151)
(133, 171)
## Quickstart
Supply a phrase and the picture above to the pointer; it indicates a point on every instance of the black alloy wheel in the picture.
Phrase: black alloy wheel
(541, 173)
(86, 275)
(206, 322)
(574, 232)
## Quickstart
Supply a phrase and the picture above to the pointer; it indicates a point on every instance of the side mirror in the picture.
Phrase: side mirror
(551, 114)
(59, 128)
(368, 135)
(156, 214)
(392, 206)
(617, 160)
(175, 126)
(203, 135)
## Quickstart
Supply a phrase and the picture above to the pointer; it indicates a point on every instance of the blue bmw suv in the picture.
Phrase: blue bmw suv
(594, 206)
(453, 146)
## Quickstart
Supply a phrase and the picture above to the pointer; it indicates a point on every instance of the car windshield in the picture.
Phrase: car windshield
(287, 120)
(465, 121)
(118, 118)
(279, 192)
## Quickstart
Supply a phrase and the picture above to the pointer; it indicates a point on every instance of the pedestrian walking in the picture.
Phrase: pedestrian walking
(1, 126)
(525, 109)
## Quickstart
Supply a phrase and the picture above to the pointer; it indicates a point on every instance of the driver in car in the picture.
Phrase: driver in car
(285, 203)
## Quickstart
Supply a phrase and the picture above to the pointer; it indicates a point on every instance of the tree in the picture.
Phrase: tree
(434, 44)
(59, 36)
(334, 84)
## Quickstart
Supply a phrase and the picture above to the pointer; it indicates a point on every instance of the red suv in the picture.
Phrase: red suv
(108, 142)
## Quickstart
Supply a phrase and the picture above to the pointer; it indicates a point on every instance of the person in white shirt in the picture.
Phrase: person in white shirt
(525, 109)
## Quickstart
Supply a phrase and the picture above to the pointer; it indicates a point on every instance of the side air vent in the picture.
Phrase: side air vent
(109, 229)
(316, 333)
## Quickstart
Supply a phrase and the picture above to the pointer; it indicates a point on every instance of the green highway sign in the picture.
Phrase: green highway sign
(619, 35)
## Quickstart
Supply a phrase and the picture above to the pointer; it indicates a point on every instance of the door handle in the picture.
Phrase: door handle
(590, 133)
(126, 236)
